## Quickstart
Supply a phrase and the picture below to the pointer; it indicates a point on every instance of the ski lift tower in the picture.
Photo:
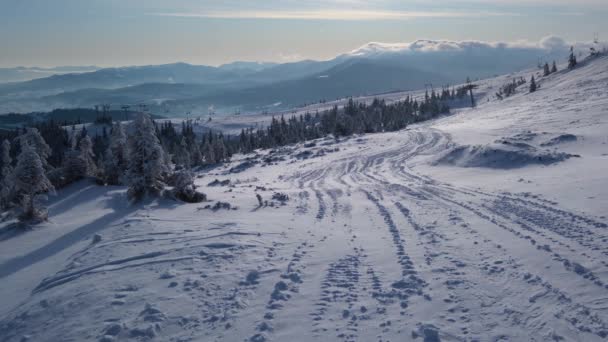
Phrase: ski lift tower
(105, 109)
(125, 109)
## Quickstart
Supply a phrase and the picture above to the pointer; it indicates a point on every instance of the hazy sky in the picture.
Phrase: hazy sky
(137, 32)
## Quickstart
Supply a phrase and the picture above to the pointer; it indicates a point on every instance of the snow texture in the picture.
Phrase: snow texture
(378, 241)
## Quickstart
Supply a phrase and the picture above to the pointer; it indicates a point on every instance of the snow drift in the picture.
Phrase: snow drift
(500, 156)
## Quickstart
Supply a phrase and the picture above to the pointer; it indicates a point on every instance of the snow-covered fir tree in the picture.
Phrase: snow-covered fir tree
(33, 138)
(5, 159)
(184, 154)
(146, 160)
(185, 189)
(554, 67)
(86, 153)
(208, 153)
(115, 162)
(29, 180)
(74, 166)
(196, 156)
(5, 174)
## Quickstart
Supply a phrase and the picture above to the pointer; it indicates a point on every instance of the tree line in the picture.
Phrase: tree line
(147, 156)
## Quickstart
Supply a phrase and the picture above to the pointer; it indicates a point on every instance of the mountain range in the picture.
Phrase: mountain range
(175, 89)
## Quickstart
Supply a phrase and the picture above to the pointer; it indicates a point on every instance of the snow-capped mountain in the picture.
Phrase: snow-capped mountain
(252, 86)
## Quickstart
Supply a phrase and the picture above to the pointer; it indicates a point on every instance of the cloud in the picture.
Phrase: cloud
(289, 57)
(458, 60)
(352, 14)
(549, 44)
(553, 43)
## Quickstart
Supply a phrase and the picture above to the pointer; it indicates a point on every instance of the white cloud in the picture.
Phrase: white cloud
(289, 57)
(352, 14)
(549, 44)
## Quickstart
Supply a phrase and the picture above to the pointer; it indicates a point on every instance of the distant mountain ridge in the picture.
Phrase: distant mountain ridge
(177, 88)
(20, 74)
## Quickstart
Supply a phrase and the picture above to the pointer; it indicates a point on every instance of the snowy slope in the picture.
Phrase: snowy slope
(382, 238)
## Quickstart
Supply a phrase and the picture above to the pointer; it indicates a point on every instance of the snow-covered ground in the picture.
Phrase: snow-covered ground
(486, 225)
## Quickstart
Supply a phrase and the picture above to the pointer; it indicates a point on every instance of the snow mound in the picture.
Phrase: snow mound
(563, 138)
(500, 156)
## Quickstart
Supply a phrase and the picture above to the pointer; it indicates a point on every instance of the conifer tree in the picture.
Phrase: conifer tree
(546, 70)
(33, 138)
(5, 174)
(532, 84)
(74, 167)
(29, 180)
(184, 154)
(196, 156)
(116, 155)
(572, 59)
(86, 153)
(147, 163)
(185, 189)
(208, 153)
(5, 159)
(554, 67)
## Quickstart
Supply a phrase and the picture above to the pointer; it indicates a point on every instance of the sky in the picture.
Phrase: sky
(140, 32)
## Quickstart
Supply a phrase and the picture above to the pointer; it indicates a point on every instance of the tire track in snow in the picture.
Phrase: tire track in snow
(410, 283)
(502, 275)
(283, 290)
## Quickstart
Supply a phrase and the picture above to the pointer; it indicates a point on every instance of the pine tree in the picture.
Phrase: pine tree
(115, 162)
(208, 153)
(554, 67)
(184, 154)
(195, 154)
(30, 180)
(185, 189)
(219, 149)
(5, 174)
(33, 138)
(147, 163)
(532, 84)
(6, 160)
(572, 59)
(546, 70)
(74, 166)
(86, 153)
